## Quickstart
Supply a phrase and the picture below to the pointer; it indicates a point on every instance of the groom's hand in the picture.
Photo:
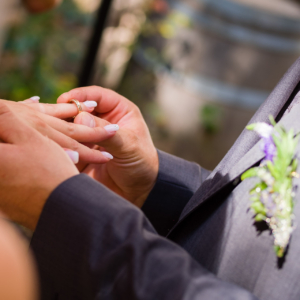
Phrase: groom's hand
(31, 167)
(133, 171)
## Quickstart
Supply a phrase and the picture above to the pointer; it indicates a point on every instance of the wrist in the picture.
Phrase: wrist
(153, 168)
(28, 212)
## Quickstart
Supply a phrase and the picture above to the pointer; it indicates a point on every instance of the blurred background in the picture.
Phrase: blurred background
(198, 69)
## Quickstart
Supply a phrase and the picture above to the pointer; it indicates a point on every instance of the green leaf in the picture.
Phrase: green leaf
(261, 185)
(277, 141)
(258, 207)
(272, 120)
(255, 198)
(250, 173)
(279, 251)
(294, 165)
(273, 169)
(251, 126)
(260, 217)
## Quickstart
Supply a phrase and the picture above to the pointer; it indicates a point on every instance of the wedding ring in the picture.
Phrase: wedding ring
(77, 103)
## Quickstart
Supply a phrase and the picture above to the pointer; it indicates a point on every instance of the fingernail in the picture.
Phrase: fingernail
(73, 155)
(90, 104)
(106, 154)
(111, 128)
(35, 98)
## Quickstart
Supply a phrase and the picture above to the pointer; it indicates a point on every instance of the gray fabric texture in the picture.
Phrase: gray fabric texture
(175, 188)
(92, 244)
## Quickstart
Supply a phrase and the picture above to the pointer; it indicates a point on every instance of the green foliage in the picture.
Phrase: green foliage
(260, 217)
(261, 186)
(272, 120)
(251, 126)
(210, 116)
(250, 173)
(279, 251)
(259, 208)
(42, 55)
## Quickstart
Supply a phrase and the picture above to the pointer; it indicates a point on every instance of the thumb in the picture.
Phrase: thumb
(86, 119)
(113, 143)
(89, 120)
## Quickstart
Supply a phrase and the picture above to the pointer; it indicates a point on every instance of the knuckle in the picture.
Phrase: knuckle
(40, 125)
(40, 107)
(30, 111)
(71, 129)
(5, 109)
(73, 145)
(132, 107)
(136, 110)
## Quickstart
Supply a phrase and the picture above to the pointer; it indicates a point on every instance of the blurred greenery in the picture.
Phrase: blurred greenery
(43, 54)
(210, 116)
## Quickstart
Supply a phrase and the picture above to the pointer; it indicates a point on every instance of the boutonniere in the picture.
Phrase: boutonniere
(272, 198)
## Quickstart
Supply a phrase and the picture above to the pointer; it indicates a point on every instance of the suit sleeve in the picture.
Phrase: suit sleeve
(176, 183)
(92, 244)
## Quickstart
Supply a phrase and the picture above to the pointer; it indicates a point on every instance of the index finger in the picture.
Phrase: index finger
(107, 99)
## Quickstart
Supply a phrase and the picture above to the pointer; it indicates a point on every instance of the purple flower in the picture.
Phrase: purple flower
(265, 132)
(269, 148)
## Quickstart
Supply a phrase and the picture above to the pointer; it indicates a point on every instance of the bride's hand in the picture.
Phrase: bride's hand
(31, 167)
(48, 119)
(133, 171)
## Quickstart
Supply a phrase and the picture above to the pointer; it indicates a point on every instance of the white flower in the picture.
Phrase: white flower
(263, 129)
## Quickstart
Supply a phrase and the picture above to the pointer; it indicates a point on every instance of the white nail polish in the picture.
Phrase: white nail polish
(35, 98)
(90, 104)
(106, 154)
(73, 155)
(111, 128)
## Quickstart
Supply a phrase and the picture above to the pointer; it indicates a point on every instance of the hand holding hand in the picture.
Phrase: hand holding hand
(133, 171)
(48, 119)
(31, 167)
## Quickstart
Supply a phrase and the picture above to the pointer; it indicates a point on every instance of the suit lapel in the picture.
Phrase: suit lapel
(246, 150)
(274, 105)
(255, 154)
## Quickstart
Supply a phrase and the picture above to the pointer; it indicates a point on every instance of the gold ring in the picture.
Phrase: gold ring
(77, 103)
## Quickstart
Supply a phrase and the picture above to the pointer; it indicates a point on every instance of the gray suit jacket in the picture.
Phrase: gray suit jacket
(92, 244)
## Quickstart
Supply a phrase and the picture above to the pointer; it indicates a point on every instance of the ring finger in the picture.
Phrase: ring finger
(63, 110)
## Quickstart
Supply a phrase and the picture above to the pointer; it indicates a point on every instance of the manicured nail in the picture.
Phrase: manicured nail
(106, 154)
(73, 155)
(35, 98)
(90, 104)
(111, 128)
